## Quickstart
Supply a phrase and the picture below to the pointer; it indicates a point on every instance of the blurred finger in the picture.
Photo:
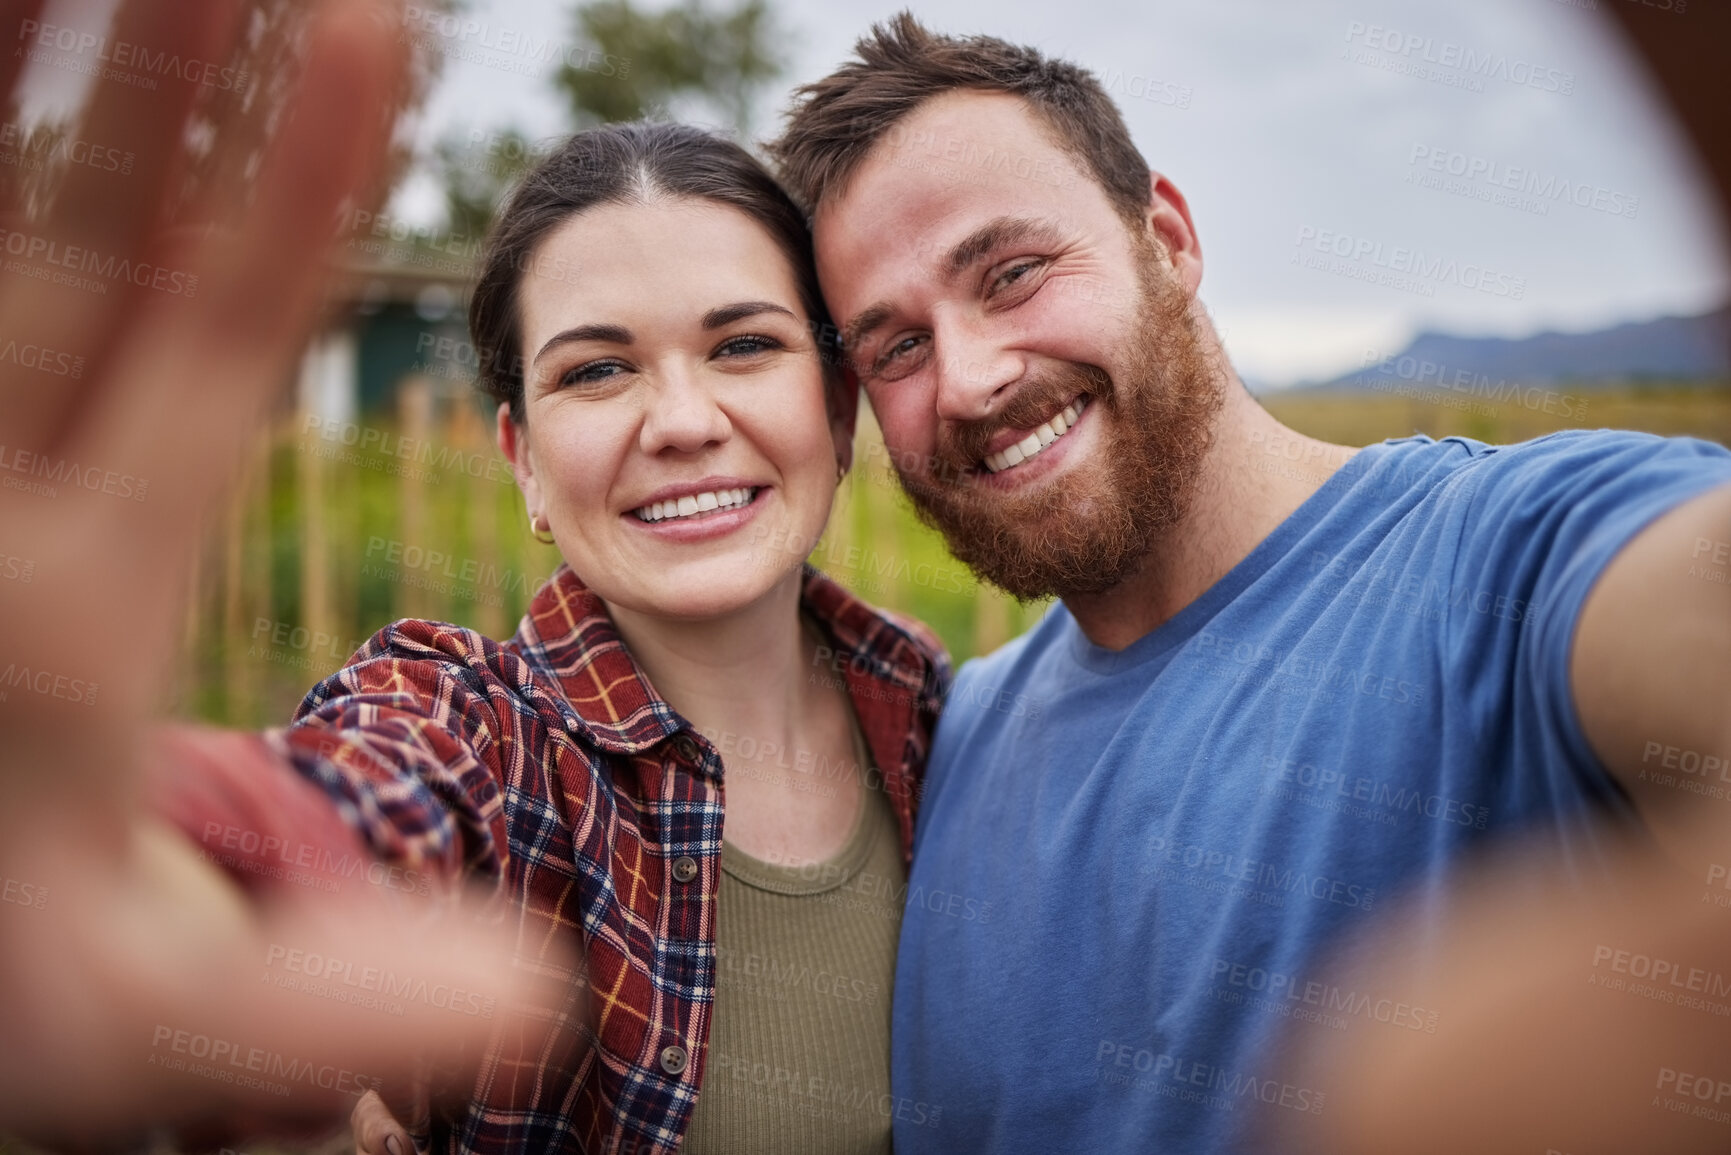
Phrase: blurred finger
(196, 374)
(376, 1130)
(153, 1003)
(19, 17)
(216, 360)
(69, 279)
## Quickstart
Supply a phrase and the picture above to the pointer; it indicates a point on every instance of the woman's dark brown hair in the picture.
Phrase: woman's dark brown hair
(623, 164)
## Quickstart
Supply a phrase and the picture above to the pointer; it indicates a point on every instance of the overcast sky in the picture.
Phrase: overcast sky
(1294, 124)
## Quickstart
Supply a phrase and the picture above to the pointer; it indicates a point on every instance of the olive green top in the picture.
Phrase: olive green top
(799, 1044)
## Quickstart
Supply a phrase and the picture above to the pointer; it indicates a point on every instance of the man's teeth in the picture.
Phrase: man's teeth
(1040, 437)
(696, 503)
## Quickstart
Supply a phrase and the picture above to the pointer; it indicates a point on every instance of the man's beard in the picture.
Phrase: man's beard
(1089, 530)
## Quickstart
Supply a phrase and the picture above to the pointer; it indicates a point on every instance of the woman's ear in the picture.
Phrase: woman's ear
(514, 444)
(842, 398)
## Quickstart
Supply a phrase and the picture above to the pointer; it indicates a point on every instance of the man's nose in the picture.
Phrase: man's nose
(975, 368)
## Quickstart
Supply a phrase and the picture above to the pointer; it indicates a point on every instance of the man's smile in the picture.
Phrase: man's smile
(1029, 443)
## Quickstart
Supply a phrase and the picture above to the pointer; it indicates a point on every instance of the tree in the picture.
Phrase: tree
(721, 59)
(639, 64)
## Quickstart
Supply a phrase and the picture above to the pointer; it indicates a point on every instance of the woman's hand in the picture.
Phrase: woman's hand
(136, 981)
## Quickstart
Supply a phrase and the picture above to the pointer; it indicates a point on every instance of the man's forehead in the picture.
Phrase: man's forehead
(937, 174)
(965, 136)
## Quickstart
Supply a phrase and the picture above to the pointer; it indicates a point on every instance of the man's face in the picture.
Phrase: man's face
(1031, 358)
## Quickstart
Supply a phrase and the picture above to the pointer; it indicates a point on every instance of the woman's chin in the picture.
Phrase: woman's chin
(713, 590)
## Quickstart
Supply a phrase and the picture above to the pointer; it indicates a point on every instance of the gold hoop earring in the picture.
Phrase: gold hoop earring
(535, 530)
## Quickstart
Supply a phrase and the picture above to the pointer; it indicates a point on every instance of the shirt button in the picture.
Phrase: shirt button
(685, 747)
(673, 1059)
(684, 868)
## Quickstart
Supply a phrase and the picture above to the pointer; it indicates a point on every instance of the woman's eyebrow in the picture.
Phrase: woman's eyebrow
(613, 334)
(723, 315)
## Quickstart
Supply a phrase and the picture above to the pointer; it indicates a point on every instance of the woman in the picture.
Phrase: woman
(678, 431)
(674, 420)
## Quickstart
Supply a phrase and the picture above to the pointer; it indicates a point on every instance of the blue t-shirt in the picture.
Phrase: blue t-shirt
(1128, 864)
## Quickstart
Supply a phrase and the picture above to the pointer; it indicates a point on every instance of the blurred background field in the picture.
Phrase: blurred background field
(1670, 410)
(378, 494)
(325, 543)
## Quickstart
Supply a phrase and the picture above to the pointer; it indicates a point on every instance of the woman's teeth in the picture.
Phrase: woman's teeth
(1033, 443)
(696, 503)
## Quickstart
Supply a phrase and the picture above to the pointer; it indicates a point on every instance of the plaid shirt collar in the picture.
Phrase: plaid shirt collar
(569, 633)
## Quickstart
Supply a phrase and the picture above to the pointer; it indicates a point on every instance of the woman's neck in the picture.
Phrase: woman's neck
(747, 672)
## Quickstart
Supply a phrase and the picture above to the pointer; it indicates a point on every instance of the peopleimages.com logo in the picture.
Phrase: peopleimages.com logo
(1518, 187)
(1368, 259)
(1446, 62)
(125, 61)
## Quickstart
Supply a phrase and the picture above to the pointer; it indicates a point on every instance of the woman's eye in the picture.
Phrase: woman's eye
(591, 373)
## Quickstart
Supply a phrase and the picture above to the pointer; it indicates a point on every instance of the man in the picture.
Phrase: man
(1288, 680)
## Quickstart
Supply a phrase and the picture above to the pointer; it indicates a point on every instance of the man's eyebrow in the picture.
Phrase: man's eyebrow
(993, 235)
(613, 334)
(864, 323)
(724, 315)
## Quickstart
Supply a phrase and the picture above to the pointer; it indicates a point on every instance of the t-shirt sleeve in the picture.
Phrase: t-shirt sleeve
(1542, 520)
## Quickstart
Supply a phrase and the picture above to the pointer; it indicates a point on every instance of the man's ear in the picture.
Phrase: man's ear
(514, 444)
(841, 391)
(1169, 222)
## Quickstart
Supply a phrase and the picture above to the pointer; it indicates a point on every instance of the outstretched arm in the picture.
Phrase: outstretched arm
(1652, 676)
(130, 990)
(1583, 1019)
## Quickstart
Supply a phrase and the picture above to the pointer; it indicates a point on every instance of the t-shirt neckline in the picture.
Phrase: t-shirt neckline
(1184, 625)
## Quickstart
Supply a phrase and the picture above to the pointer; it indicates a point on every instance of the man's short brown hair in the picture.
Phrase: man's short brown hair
(834, 122)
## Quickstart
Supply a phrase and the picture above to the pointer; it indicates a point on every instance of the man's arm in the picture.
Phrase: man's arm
(1651, 673)
(1581, 1018)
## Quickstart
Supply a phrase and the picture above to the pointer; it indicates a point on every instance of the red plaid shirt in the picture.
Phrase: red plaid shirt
(548, 765)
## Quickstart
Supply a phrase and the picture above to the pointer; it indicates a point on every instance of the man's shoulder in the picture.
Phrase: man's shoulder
(1594, 444)
(1017, 660)
(1535, 471)
(1573, 449)
(1589, 469)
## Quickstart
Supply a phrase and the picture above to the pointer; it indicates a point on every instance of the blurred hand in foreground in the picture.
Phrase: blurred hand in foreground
(1539, 1005)
(130, 991)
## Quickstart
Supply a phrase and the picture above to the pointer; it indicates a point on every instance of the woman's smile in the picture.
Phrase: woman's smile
(699, 511)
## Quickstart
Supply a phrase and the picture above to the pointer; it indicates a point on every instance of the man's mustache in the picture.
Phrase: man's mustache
(962, 445)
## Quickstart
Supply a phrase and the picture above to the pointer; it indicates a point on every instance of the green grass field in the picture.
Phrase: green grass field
(1359, 419)
(327, 543)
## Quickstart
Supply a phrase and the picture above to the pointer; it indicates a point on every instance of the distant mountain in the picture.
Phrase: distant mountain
(1694, 349)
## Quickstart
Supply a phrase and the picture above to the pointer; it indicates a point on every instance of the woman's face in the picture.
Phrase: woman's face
(677, 440)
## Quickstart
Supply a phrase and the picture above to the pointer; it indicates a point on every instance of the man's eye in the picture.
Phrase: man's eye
(1013, 274)
(591, 373)
(748, 346)
(897, 349)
